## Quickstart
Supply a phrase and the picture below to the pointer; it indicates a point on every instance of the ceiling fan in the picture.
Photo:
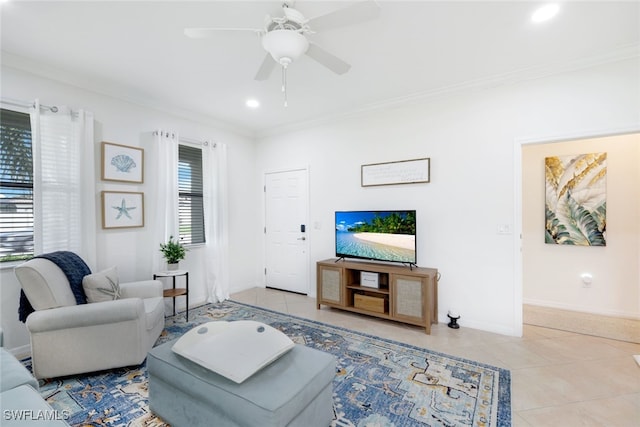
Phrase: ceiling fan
(285, 38)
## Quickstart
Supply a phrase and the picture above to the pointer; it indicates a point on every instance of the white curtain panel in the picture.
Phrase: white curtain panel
(64, 181)
(165, 221)
(216, 220)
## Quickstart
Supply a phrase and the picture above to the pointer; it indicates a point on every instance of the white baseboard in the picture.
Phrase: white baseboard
(483, 326)
(21, 352)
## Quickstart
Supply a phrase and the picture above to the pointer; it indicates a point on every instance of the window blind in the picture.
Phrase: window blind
(58, 181)
(190, 200)
(16, 186)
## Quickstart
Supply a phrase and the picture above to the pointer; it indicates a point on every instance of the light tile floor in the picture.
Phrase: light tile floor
(557, 378)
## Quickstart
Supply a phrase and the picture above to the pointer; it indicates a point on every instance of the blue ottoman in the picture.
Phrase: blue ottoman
(295, 390)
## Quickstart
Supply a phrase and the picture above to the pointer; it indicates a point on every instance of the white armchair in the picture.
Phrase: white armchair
(69, 338)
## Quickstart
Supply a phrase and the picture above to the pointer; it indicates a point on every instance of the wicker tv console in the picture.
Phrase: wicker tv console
(394, 292)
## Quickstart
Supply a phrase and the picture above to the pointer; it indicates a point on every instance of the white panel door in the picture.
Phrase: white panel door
(286, 206)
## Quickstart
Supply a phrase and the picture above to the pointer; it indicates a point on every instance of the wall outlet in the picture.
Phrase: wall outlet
(586, 280)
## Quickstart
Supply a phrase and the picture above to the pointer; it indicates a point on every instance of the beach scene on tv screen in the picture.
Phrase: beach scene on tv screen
(388, 236)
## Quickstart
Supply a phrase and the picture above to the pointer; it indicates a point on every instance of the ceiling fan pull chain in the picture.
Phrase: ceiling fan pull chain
(284, 83)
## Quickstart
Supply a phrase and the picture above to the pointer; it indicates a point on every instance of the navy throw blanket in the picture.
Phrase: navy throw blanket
(73, 267)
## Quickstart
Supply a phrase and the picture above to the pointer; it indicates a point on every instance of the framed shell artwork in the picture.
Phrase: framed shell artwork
(122, 163)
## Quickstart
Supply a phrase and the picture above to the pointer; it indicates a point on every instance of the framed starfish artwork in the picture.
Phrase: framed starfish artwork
(122, 209)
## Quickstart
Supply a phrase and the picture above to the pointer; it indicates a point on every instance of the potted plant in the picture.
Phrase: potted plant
(173, 252)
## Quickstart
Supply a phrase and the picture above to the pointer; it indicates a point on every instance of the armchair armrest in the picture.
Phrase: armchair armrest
(141, 289)
(76, 316)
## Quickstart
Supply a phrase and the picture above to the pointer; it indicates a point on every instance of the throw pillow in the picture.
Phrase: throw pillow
(102, 286)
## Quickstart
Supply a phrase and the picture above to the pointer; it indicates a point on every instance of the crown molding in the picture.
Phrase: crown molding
(623, 53)
(134, 96)
(117, 91)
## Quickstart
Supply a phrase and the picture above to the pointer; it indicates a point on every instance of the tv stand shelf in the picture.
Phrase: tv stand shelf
(404, 294)
(367, 289)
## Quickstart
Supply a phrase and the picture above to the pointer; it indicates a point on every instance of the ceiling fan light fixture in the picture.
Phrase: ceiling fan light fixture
(283, 44)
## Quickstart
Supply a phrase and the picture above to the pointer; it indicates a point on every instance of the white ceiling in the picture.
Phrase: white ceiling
(415, 49)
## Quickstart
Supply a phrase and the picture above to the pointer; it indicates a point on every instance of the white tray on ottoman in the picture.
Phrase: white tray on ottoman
(294, 390)
(235, 350)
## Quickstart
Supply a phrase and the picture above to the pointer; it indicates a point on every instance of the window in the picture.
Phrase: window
(16, 186)
(190, 202)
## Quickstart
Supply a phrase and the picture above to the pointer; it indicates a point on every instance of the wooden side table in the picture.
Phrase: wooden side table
(176, 292)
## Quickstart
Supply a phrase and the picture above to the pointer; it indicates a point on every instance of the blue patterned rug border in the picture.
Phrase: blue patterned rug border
(504, 377)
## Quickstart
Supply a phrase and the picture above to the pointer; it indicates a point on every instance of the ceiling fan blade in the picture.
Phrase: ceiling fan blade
(202, 33)
(330, 61)
(268, 64)
(354, 14)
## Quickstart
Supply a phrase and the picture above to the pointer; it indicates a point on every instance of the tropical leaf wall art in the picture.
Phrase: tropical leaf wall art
(576, 204)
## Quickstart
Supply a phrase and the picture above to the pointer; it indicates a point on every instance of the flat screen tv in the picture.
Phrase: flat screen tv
(377, 235)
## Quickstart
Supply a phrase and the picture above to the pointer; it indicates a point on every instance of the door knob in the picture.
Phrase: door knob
(302, 238)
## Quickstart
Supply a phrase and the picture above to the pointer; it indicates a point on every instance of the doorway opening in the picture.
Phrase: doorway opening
(554, 293)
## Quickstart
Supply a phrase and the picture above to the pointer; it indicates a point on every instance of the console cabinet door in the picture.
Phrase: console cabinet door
(409, 294)
(330, 285)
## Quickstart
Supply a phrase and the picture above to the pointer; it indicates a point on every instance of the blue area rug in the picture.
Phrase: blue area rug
(378, 383)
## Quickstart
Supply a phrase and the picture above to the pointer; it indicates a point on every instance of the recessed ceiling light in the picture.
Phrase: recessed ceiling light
(545, 12)
(252, 103)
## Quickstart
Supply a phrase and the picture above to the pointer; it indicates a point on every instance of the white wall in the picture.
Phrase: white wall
(551, 273)
(471, 139)
(131, 250)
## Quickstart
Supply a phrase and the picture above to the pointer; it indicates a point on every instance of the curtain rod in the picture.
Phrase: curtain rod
(187, 140)
(25, 104)
(197, 142)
